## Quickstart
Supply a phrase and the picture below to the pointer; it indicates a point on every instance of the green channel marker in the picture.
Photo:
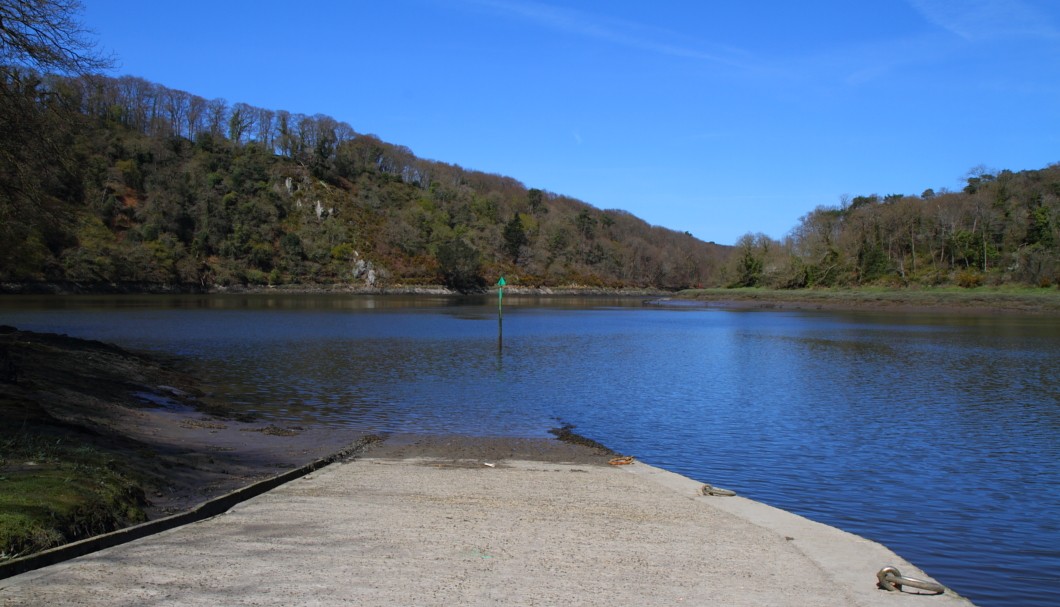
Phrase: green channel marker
(500, 297)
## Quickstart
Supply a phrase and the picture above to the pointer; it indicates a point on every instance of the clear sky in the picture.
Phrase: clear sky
(714, 117)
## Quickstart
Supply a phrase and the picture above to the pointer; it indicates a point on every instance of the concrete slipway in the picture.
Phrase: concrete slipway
(438, 531)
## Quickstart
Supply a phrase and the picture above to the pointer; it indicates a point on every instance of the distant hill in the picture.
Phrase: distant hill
(120, 181)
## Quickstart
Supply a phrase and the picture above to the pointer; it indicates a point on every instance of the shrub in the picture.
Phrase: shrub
(460, 266)
(969, 279)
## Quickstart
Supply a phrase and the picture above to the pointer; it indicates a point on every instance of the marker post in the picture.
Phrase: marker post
(500, 313)
(500, 297)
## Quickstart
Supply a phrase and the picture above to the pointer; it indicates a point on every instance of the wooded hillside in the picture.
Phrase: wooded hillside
(120, 180)
(1003, 228)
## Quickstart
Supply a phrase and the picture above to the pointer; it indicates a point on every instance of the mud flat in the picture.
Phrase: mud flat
(472, 521)
(1027, 301)
(94, 438)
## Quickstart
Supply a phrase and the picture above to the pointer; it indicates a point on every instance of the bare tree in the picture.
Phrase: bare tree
(36, 36)
(175, 106)
(45, 35)
(216, 114)
(138, 95)
(196, 116)
(263, 118)
(240, 122)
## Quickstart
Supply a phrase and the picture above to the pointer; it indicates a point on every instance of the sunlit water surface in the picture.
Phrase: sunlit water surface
(937, 436)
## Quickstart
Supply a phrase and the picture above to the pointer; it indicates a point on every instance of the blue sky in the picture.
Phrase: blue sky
(717, 118)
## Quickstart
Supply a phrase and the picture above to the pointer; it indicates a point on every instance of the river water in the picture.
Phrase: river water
(936, 435)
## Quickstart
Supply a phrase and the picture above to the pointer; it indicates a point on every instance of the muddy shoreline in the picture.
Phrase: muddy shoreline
(137, 288)
(984, 300)
(95, 438)
(80, 407)
(969, 302)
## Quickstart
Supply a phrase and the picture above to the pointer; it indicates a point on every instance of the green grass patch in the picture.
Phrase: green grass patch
(52, 493)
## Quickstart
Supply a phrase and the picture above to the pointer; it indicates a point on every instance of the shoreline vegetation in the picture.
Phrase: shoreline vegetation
(77, 288)
(943, 299)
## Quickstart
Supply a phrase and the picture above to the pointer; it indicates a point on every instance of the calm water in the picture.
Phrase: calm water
(937, 436)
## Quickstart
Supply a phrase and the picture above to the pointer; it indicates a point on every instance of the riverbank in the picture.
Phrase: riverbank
(1019, 300)
(95, 438)
(136, 288)
(943, 299)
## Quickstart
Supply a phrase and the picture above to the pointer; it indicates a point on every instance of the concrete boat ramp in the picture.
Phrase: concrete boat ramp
(390, 529)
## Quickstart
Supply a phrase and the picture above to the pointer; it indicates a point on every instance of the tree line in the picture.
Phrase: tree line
(1004, 227)
(119, 180)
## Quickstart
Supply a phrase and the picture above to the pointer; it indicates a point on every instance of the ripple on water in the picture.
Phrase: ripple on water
(937, 437)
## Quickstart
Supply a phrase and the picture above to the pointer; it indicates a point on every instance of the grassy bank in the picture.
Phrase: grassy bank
(65, 471)
(52, 492)
(95, 438)
(982, 299)
(71, 462)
